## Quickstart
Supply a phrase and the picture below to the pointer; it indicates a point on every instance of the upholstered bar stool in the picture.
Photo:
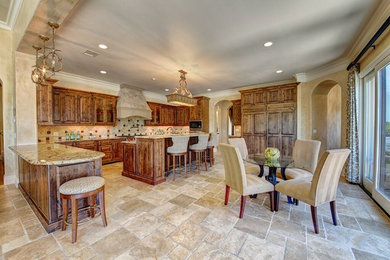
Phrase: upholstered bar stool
(210, 148)
(81, 188)
(200, 150)
(178, 149)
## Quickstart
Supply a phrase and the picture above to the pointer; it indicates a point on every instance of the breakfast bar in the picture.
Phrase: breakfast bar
(44, 167)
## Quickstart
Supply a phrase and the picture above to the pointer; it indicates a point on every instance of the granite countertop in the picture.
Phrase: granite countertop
(54, 154)
(93, 139)
(128, 142)
(170, 135)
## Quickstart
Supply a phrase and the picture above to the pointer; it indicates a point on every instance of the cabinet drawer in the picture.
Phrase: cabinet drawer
(106, 148)
(105, 142)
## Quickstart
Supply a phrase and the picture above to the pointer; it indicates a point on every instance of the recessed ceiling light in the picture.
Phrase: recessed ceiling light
(279, 71)
(153, 78)
(167, 89)
(103, 72)
(102, 46)
(268, 44)
(209, 89)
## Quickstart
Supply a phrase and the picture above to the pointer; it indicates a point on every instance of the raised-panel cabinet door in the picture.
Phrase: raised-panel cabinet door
(249, 143)
(57, 104)
(85, 109)
(247, 123)
(274, 123)
(274, 141)
(287, 145)
(259, 144)
(289, 94)
(259, 97)
(109, 110)
(99, 110)
(273, 95)
(247, 99)
(69, 108)
(260, 123)
(129, 158)
(145, 158)
(288, 123)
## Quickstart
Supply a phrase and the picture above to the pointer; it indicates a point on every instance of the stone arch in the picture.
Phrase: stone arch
(221, 110)
(326, 114)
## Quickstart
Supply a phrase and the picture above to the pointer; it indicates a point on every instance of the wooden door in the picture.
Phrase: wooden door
(85, 109)
(247, 99)
(260, 123)
(247, 124)
(259, 97)
(273, 95)
(259, 144)
(273, 130)
(99, 110)
(289, 94)
(69, 108)
(236, 112)
(249, 143)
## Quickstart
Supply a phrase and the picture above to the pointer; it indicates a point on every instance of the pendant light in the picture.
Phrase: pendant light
(181, 95)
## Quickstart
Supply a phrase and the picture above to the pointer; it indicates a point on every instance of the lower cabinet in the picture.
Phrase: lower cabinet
(112, 148)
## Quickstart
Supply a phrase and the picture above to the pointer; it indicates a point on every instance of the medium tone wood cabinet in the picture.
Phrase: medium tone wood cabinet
(61, 106)
(236, 112)
(268, 118)
(201, 112)
(182, 116)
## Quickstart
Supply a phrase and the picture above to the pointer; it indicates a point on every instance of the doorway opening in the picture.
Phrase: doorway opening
(223, 123)
(326, 115)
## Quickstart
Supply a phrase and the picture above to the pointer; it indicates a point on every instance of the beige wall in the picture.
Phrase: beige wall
(334, 118)
(26, 123)
(304, 111)
(222, 107)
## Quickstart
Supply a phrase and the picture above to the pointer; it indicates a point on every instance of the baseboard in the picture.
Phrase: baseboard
(10, 179)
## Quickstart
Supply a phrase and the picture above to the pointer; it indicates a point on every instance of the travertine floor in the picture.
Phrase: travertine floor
(186, 219)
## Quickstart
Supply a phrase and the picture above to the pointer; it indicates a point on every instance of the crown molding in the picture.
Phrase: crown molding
(377, 18)
(81, 80)
(13, 12)
(327, 69)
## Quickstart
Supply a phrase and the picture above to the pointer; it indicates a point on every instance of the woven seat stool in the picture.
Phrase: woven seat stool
(81, 188)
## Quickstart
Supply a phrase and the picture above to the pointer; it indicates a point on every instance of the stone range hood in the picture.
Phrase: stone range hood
(132, 103)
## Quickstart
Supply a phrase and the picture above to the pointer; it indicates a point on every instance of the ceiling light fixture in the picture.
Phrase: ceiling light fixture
(153, 78)
(103, 72)
(102, 46)
(279, 71)
(209, 89)
(46, 64)
(166, 90)
(181, 95)
(268, 44)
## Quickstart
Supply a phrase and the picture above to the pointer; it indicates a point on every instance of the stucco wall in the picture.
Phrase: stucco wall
(304, 116)
(334, 118)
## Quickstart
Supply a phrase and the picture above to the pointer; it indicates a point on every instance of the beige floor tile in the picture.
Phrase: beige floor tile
(143, 225)
(177, 215)
(114, 244)
(254, 226)
(10, 231)
(84, 254)
(34, 250)
(209, 202)
(256, 248)
(182, 200)
(318, 248)
(208, 251)
(56, 255)
(179, 253)
(289, 229)
(295, 250)
(189, 235)
(362, 255)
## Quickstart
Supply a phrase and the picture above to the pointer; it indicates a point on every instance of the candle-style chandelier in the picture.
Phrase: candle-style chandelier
(181, 95)
(48, 62)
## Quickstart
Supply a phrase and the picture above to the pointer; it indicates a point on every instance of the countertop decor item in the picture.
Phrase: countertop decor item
(272, 156)
(181, 95)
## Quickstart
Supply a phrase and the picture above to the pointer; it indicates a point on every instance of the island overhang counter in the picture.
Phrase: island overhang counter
(44, 167)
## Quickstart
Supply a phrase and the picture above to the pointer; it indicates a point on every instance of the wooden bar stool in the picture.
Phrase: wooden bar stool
(178, 149)
(80, 188)
(200, 150)
(210, 148)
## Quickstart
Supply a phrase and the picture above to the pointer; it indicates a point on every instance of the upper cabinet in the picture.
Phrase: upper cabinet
(61, 106)
(182, 116)
(236, 112)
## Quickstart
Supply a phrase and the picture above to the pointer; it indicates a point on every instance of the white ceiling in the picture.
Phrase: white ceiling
(219, 42)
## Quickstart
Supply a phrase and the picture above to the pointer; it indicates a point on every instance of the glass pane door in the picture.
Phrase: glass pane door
(381, 192)
(368, 156)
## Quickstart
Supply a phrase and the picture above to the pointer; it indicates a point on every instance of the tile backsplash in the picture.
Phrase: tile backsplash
(123, 127)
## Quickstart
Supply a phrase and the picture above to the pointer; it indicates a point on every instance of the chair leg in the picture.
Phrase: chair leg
(333, 211)
(92, 206)
(227, 191)
(205, 159)
(180, 164)
(185, 165)
(64, 213)
(169, 159)
(277, 198)
(198, 155)
(242, 208)
(296, 202)
(173, 169)
(74, 219)
(314, 218)
(272, 200)
(189, 160)
(102, 200)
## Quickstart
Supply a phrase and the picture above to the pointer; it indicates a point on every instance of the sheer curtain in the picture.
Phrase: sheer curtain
(352, 138)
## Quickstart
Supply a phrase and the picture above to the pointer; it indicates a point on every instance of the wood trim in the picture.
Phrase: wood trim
(269, 87)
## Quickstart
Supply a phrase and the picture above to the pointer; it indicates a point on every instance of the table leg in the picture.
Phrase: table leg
(283, 172)
(261, 171)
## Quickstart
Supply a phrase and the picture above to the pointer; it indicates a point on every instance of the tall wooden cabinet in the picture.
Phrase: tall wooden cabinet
(268, 118)
(236, 112)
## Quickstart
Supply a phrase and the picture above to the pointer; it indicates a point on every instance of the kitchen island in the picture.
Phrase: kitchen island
(44, 167)
(145, 159)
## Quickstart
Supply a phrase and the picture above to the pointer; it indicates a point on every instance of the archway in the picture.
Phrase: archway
(221, 123)
(326, 115)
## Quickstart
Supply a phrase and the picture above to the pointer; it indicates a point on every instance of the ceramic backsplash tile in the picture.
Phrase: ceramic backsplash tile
(123, 127)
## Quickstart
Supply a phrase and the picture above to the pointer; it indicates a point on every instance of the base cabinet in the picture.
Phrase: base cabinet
(144, 160)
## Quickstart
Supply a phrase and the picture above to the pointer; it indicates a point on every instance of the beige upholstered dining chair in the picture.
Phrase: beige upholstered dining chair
(305, 156)
(241, 145)
(237, 179)
(320, 189)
